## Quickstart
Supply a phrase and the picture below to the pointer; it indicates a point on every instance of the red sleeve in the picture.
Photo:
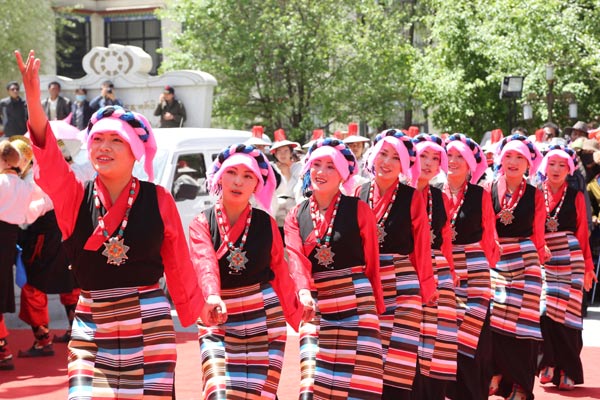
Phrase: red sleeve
(182, 278)
(582, 232)
(204, 257)
(488, 225)
(421, 255)
(53, 175)
(447, 235)
(368, 232)
(539, 226)
(283, 284)
(298, 263)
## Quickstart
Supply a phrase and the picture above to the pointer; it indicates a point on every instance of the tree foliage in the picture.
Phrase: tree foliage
(301, 64)
(24, 25)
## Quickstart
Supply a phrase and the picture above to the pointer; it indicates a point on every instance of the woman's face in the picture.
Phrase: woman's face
(387, 163)
(557, 170)
(238, 182)
(357, 148)
(324, 176)
(111, 155)
(430, 164)
(284, 155)
(514, 164)
(457, 165)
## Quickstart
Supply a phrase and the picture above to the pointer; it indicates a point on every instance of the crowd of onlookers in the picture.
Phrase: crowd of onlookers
(78, 110)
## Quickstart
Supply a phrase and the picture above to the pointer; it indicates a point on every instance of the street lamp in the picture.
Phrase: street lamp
(527, 111)
(550, 95)
(511, 89)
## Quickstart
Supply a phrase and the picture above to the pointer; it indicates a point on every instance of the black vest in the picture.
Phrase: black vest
(258, 250)
(346, 242)
(143, 234)
(48, 267)
(468, 221)
(567, 217)
(438, 216)
(398, 226)
(522, 225)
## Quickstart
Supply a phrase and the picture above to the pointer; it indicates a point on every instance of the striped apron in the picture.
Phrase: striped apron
(400, 325)
(122, 345)
(309, 346)
(242, 358)
(563, 285)
(438, 346)
(348, 362)
(517, 287)
(472, 295)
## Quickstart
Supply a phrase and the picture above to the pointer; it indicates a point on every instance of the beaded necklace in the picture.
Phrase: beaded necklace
(381, 233)
(237, 257)
(115, 250)
(457, 209)
(552, 218)
(506, 213)
(324, 253)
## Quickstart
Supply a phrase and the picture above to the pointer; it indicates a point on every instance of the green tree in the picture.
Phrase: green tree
(473, 45)
(24, 25)
(296, 64)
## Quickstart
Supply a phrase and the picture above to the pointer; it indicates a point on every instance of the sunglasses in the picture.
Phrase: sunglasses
(14, 89)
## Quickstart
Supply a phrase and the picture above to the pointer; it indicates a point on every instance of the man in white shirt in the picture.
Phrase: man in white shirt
(56, 106)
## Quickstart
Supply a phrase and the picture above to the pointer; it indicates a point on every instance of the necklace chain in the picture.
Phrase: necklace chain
(99, 207)
(381, 223)
(237, 256)
(464, 189)
(314, 211)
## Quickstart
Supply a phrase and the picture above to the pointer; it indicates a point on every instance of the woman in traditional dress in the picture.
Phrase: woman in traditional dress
(405, 256)
(475, 251)
(568, 272)
(333, 237)
(250, 293)
(517, 276)
(121, 235)
(438, 346)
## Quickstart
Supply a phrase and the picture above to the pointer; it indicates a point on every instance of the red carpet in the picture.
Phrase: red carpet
(45, 378)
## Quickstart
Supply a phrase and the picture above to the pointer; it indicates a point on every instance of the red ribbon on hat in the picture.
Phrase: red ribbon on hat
(279, 135)
(496, 136)
(318, 134)
(352, 128)
(257, 131)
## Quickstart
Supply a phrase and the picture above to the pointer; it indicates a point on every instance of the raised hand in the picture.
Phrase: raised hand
(31, 83)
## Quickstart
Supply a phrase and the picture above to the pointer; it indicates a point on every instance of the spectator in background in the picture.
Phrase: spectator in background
(13, 111)
(551, 131)
(81, 111)
(56, 106)
(578, 130)
(106, 98)
(170, 110)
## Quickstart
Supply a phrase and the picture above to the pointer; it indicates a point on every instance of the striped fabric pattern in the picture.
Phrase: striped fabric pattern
(122, 346)
(309, 346)
(400, 325)
(473, 295)
(563, 285)
(517, 287)
(349, 358)
(438, 347)
(242, 358)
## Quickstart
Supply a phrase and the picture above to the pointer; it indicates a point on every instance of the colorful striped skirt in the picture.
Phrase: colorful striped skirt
(242, 358)
(472, 295)
(309, 346)
(348, 360)
(122, 345)
(438, 346)
(400, 325)
(517, 287)
(563, 285)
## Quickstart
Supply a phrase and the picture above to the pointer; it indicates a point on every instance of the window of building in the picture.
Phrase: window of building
(141, 31)
(72, 43)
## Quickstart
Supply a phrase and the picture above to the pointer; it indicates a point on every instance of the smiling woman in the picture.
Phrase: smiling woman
(121, 234)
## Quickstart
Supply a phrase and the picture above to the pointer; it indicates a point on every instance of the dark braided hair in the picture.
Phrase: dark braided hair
(469, 142)
(122, 114)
